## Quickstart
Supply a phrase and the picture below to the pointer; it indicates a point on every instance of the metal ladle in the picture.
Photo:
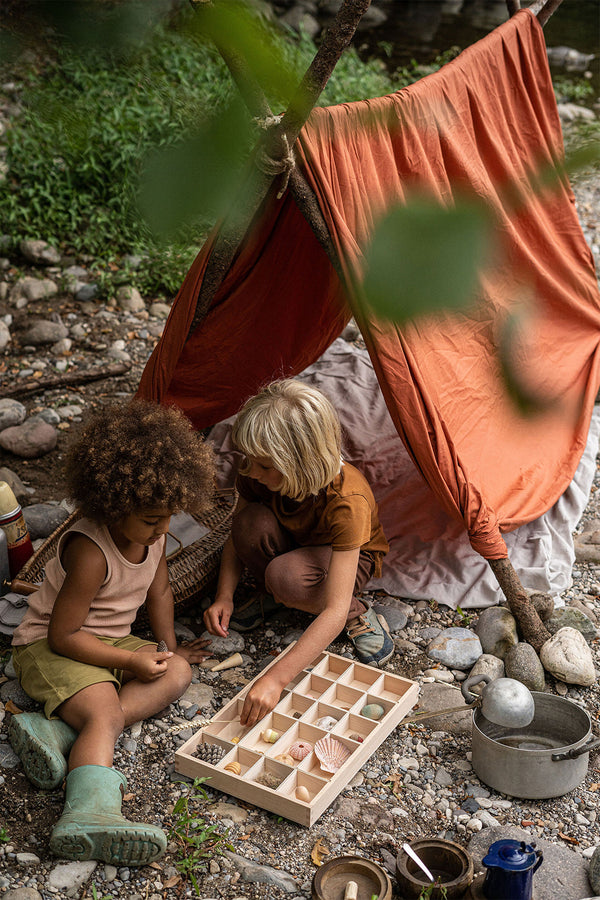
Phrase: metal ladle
(504, 702)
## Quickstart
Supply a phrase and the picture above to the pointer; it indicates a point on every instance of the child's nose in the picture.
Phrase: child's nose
(162, 526)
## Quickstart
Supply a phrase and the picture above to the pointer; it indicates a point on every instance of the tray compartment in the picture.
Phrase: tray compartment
(246, 759)
(301, 779)
(352, 725)
(319, 710)
(314, 686)
(295, 705)
(393, 687)
(373, 698)
(361, 678)
(275, 721)
(332, 666)
(342, 696)
(268, 770)
(312, 766)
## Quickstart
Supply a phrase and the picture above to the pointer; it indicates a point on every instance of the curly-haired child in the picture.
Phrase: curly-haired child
(306, 526)
(129, 471)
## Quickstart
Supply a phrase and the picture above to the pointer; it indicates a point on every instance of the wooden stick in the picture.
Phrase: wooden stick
(278, 139)
(513, 6)
(38, 385)
(543, 9)
(520, 605)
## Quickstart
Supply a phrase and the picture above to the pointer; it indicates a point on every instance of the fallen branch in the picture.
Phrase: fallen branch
(37, 385)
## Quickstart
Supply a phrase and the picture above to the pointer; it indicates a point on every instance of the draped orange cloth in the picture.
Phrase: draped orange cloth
(484, 123)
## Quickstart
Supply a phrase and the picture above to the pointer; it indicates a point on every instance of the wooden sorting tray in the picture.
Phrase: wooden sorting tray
(332, 686)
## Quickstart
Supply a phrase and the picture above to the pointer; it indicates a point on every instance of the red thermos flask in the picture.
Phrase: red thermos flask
(12, 522)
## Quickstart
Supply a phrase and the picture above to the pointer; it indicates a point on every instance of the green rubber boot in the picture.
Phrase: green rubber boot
(42, 745)
(92, 827)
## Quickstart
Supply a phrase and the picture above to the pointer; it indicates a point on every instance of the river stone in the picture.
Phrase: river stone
(12, 690)
(225, 646)
(253, 872)
(22, 893)
(29, 440)
(11, 413)
(40, 252)
(567, 657)
(45, 332)
(370, 817)
(487, 664)
(43, 518)
(435, 697)
(594, 871)
(13, 480)
(396, 618)
(29, 289)
(199, 695)
(5, 337)
(562, 874)
(523, 664)
(497, 630)
(456, 648)
(570, 617)
(130, 299)
(69, 877)
(225, 810)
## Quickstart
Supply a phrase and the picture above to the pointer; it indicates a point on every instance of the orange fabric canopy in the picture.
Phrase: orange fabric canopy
(485, 121)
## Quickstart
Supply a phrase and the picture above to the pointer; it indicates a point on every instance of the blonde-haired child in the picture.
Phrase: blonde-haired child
(306, 526)
(132, 467)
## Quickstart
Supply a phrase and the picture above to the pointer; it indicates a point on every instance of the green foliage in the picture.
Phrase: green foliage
(96, 895)
(443, 251)
(197, 842)
(4, 834)
(428, 891)
(572, 90)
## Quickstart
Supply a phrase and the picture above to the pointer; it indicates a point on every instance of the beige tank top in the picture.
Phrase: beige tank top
(114, 607)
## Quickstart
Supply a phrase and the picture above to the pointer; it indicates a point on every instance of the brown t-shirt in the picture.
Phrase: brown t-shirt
(343, 515)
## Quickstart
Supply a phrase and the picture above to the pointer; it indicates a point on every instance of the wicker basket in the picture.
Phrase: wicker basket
(192, 570)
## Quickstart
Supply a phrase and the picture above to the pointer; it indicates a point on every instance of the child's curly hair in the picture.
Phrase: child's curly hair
(139, 457)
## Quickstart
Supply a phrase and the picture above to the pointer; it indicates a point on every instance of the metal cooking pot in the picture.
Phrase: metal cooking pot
(546, 758)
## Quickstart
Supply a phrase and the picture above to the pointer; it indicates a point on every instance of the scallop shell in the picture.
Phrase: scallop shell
(233, 767)
(302, 793)
(300, 749)
(331, 753)
(326, 723)
(372, 711)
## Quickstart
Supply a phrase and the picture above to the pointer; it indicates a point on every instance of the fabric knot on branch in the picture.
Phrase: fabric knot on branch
(267, 164)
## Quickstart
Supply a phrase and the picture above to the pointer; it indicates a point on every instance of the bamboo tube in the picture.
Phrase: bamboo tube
(229, 663)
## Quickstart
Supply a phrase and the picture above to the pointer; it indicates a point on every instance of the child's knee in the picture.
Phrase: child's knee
(181, 673)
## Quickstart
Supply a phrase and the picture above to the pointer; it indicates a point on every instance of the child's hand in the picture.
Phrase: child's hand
(150, 666)
(260, 700)
(194, 651)
(217, 616)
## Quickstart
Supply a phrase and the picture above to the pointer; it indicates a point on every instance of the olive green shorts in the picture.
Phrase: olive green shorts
(51, 678)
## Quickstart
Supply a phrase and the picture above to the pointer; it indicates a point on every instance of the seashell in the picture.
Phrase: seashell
(326, 723)
(302, 793)
(286, 759)
(234, 767)
(300, 749)
(331, 754)
(355, 736)
(235, 740)
(372, 711)
(229, 663)
(269, 736)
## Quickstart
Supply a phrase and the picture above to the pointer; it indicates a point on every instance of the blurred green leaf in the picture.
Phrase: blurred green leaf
(197, 176)
(528, 400)
(426, 257)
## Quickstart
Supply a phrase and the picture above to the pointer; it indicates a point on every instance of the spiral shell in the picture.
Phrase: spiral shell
(234, 767)
(300, 749)
(372, 711)
(331, 753)
(269, 736)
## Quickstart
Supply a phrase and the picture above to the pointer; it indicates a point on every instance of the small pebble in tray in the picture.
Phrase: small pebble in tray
(269, 780)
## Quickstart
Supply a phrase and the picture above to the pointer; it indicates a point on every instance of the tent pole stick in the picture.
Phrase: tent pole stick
(513, 6)
(520, 604)
(278, 139)
(543, 9)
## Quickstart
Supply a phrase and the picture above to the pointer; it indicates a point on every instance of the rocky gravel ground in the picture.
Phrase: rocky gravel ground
(419, 783)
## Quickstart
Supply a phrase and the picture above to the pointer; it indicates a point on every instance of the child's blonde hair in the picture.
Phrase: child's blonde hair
(296, 427)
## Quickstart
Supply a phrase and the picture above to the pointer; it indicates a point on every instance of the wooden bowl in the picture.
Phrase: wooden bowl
(330, 880)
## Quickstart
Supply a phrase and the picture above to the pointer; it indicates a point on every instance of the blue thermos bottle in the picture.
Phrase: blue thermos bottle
(510, 867)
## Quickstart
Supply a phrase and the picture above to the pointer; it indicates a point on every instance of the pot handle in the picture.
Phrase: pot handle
(577, 751)
(540, 859)
(471, 682)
